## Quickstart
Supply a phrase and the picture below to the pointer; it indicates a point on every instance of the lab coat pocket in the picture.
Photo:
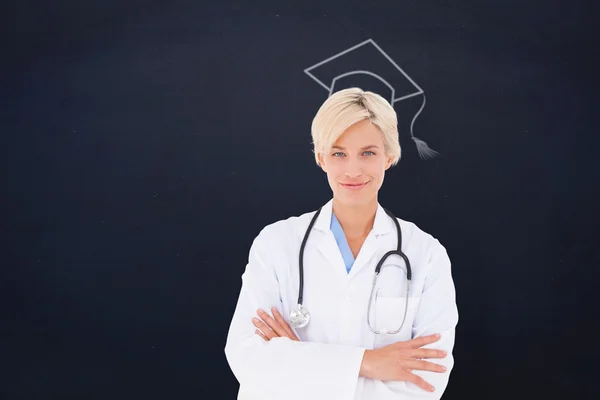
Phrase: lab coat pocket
(388, 317)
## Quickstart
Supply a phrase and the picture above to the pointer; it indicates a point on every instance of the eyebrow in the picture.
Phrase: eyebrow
(372, 146)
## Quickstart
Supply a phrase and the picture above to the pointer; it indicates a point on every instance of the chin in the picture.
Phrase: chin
(354, 199)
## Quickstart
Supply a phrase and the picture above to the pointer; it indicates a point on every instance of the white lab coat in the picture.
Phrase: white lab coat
(325, 363)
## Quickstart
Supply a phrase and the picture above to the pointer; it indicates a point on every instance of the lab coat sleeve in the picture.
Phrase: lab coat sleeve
(437, 313)
(282, 368)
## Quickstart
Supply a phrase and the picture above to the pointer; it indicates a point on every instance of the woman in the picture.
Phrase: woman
(364, 339)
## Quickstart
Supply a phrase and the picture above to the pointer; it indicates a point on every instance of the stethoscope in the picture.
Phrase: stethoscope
(299, 316)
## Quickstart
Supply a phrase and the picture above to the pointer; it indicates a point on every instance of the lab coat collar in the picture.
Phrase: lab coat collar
(382, 224)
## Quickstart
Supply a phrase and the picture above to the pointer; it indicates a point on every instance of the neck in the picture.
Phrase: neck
(356, 220)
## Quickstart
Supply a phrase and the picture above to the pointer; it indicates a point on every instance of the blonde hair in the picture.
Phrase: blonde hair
(348, 107)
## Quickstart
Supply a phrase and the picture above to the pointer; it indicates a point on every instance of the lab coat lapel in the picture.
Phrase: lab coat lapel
(327, 245)
(372, 244)
(366, 253)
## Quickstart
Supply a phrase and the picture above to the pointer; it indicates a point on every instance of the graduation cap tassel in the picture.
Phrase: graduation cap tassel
(425, 152)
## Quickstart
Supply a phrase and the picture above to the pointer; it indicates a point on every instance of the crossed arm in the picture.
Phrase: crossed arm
(393, 362)
(270, 362)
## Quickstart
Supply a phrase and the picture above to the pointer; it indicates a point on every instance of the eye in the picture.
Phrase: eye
(369, 153)
(338, 154)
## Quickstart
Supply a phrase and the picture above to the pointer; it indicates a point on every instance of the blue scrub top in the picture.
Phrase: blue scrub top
(342, 243)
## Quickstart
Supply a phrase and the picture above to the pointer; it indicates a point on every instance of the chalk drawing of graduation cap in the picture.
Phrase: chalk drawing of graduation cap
(367, 58)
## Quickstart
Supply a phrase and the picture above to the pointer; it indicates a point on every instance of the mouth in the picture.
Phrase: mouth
(354, 186)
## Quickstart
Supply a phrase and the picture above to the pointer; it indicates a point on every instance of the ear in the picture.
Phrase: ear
(388, 163)
(321, 161)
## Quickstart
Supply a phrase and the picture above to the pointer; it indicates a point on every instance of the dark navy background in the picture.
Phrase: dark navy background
(145, 143)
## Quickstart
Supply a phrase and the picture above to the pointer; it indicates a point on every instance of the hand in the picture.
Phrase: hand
(271, 327)
(396, 361)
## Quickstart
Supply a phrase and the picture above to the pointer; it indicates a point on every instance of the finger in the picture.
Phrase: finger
(266, 330)
(429, 353)
(270, 321)
(284, 325)
(259, 333)
(423, 365)
(424, 340)
(420, 382)
(279, 318)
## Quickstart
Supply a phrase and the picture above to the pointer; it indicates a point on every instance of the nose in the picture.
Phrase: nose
(353, 169)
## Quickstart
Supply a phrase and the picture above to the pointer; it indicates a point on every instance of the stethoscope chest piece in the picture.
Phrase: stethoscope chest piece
(299, 317)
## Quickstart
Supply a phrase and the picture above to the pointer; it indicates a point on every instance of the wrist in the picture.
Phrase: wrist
(366, 366)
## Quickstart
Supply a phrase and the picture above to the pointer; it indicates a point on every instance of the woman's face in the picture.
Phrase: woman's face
(356, 164)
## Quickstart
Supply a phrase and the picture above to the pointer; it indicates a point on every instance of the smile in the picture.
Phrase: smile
(354, 186)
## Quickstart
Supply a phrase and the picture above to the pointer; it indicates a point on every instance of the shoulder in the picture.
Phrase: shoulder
(285, 230)
(278, 241)
(415, 239)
